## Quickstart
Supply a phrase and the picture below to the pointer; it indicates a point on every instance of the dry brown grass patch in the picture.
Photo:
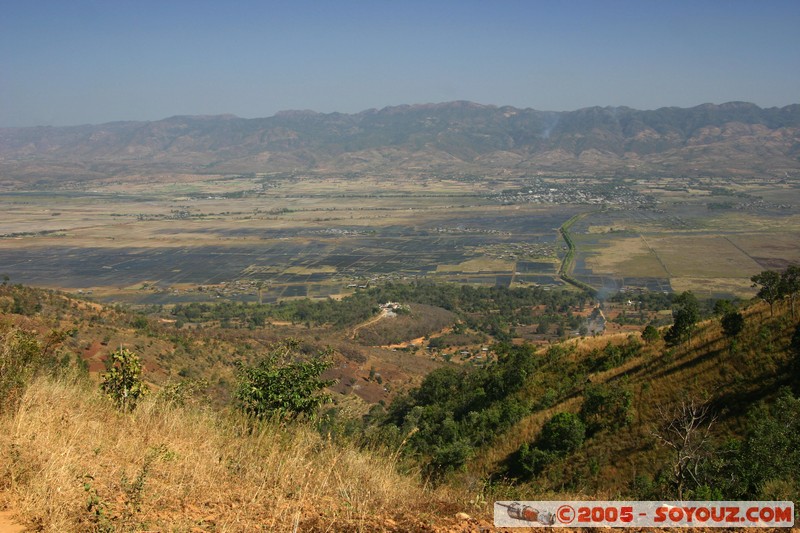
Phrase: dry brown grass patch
(72, 463)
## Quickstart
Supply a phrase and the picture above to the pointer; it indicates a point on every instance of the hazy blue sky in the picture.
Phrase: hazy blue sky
(79, 61)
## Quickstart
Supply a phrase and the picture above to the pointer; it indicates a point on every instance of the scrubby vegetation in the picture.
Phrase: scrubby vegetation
(734, 379)
(122, 381)
(454, 411)
(702, 409)
(491, 310)
(71, 461)
(75, 459)
(418, 321)
(279, 386)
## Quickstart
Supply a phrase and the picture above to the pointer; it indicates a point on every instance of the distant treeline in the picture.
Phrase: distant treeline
(493, 310)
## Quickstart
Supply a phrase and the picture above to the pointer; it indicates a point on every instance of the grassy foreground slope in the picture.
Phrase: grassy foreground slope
(71, 462)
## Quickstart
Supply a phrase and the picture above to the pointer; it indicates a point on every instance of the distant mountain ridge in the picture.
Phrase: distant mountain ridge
(731, 138)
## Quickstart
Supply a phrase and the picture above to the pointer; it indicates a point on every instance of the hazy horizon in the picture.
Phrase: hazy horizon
(281, 111)
(89, 62)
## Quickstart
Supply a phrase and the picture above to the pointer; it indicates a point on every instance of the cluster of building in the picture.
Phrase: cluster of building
(575, 193)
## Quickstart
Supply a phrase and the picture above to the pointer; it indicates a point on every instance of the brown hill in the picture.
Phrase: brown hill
(732, 138)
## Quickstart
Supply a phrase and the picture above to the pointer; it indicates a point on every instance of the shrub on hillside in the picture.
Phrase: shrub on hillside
(613, 355)
(732, 323)
(560, 436)
(455, 409)
(765, 464)
(650, 334)
(606, 407)
(22, 355)
(685, 316)
(122, 381)
(280, 385)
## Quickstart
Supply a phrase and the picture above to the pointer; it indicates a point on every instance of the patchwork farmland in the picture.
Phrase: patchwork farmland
(272, 238)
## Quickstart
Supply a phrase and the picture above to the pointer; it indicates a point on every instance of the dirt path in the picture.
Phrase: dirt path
(8, 517)
(383, 314)
(419, 340)
(7, 523)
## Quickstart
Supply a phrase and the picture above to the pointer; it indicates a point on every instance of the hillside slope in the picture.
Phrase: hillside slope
(620, 416)
(70, 461)
(625, 454)
(183, 460)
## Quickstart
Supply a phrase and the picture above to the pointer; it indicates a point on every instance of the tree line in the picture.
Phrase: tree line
(492, 310)
(776, 286)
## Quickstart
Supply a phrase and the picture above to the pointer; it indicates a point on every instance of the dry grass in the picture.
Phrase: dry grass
(703, 256)
(630, 255)
(70, 462)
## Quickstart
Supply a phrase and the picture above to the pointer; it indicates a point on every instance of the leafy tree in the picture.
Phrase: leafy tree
(723, 307)
(765, 464)
(529, 460)
(732, 323)
(770, 450)
(770, 287)
(278, 384)
(650, 334)
(606, 407)
(440, 386)
(455, 410)
(562, 434)
(452, 455)
(790, 284)
(685, 317)
(122, 381)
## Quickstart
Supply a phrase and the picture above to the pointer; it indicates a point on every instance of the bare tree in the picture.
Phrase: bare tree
(686, 429)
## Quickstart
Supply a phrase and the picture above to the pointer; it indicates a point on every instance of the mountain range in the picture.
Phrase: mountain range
(734, 138)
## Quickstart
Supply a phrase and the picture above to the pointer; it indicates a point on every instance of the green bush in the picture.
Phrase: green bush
(650, 334)
(766, 463)
(530, 460)
(280, 385)
(122, 381)
(20, 357)
(685, 316)
(606, 407)
(732, 323)
(562, 434)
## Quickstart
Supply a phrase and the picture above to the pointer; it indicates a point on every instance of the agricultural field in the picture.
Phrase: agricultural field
(690, 243)
(179, 238)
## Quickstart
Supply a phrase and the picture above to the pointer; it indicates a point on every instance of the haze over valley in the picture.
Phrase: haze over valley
(252, 279)
(318, 204)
